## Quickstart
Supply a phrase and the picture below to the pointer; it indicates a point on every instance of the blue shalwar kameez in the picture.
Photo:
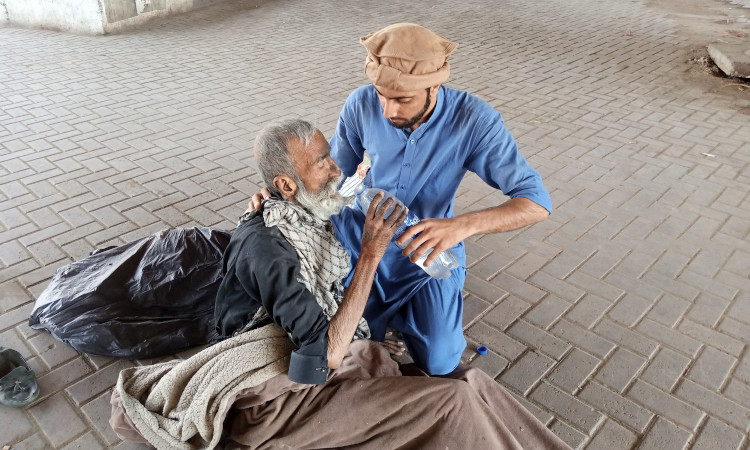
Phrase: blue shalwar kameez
(423, 169)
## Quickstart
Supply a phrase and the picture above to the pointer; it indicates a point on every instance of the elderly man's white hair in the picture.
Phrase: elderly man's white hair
(272, 152)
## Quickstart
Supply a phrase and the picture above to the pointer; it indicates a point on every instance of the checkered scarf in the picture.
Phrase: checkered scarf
(323, 261)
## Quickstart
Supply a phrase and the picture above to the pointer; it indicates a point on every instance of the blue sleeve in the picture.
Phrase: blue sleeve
(274, 276)
(496, 160)
(346, 143)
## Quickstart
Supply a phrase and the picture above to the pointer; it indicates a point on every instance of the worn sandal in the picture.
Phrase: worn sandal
(18, 385)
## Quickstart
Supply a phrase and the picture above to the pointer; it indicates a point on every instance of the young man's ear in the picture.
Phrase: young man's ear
(286, 186)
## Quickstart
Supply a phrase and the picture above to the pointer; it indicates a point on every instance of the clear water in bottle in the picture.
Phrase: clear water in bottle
(442, 265)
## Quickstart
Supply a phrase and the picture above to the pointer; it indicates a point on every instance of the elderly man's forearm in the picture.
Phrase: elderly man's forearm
(344, 322)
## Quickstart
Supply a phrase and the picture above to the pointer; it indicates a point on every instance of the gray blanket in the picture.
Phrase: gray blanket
(182, 404)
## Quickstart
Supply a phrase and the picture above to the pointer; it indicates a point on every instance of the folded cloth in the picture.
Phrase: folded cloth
(182, 404)
(18, 385)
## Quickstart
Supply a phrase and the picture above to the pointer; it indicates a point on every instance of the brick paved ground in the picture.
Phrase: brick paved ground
(623, 321)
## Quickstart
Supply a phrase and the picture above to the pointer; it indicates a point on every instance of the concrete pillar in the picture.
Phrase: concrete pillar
(90, 16)
(77, 16)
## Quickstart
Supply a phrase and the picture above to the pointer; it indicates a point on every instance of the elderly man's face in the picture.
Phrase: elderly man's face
(320, 177)
(406, 109)
(313, 163)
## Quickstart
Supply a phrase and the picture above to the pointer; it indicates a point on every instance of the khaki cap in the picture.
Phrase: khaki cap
(407, 57)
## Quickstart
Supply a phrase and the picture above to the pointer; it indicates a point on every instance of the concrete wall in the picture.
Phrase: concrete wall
(90, 16)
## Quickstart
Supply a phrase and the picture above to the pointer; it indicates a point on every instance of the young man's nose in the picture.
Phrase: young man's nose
(390, 109)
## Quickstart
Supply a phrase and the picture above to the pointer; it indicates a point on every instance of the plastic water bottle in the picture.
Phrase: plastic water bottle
(442, 265)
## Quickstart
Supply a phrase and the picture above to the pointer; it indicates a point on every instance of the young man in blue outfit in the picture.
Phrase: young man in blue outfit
(422, 138)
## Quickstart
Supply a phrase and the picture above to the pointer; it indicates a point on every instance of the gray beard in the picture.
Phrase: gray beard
(324, 203)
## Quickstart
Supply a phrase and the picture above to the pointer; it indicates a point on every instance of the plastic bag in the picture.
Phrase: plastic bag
(147, 298)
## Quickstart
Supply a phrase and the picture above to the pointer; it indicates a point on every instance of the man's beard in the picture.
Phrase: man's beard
(417, 117)
(324, 203)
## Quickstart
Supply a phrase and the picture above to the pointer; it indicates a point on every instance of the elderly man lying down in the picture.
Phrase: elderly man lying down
(295, 368)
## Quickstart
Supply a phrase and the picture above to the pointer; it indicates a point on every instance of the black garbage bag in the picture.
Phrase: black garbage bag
(151, 297)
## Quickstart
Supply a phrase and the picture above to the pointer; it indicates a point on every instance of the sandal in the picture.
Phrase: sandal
(18, 385)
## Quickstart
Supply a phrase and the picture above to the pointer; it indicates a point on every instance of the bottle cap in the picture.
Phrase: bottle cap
(482, 350)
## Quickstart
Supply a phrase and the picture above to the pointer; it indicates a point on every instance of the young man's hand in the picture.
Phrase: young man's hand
(257, 199)
(437, 234)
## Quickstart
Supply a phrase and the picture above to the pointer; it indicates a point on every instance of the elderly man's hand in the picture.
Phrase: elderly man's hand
(379, 229)
(257, 199)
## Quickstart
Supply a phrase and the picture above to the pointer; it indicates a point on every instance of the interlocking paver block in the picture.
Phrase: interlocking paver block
(13, 295)
(473, 307)
(568, 434)
(566, 406)
(712, 368)
(506, 312)
(483, 289)
(666, 436)
(52, 351)
(525, 372)
(13, 252)
(492, 364)
(58, 419)
(573, 371)
(704, 283)
(33, 442)
(612, 435)
(722, 341)
(563, 265)
(665, 335)
(735, 328)
(547, 311)
(539, 339)
(666, 369)
(522, 289)
(46, 252)
(739, 262)
(630, 309)
(604, 260)
(15, 316)
(595, 286)
(668, 310)
(589, 310)
(616, 406)
(665, 405)
(62, 376)
(582, 338)
(87, 441)
(620, 369)
(738, 391)
(730, 412)
(97, 411)
(680, 290)
(717, 435)
(16, 425)
(491, 338)
(96, 383)
(526, 265)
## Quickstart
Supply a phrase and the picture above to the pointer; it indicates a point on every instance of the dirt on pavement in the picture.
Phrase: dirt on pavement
(703, 22)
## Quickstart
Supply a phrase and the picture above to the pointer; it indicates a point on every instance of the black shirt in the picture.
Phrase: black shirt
(261, 268)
